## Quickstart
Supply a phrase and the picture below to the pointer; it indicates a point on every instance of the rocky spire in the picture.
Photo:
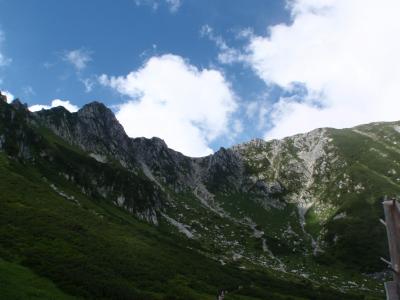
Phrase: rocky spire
(101, 122)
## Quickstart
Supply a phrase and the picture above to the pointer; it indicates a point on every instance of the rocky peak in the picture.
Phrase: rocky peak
(101, 121)
(225, 158)
(17, 104)
(95, 110)
(94, 128)
(159, 161)
(224, 170)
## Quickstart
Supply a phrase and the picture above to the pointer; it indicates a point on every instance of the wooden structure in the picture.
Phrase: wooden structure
(392, 224)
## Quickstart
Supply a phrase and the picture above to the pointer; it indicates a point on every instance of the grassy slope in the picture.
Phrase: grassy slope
(18, 282)
(95, 250)
(369, 163)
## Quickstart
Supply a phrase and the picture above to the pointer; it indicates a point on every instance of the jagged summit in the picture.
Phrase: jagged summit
(95, 104)
(17, 104)
(95, 109)
(101, 122)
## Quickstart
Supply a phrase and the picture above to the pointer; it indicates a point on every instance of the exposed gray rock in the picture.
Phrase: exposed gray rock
(95, 130)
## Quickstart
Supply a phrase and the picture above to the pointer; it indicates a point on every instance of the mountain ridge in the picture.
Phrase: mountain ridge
(302, 205)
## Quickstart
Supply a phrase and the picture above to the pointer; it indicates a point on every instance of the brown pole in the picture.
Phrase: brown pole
(392, 220)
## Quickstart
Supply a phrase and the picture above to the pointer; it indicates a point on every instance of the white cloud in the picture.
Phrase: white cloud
(346, 54)
(79, 58)
(176, 101)
(56, 102)
(173, 5)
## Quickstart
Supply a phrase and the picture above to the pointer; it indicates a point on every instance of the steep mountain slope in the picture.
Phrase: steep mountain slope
(302, 210)
(336, 179)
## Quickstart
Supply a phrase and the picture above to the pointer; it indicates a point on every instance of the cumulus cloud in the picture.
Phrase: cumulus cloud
(79, 58)
(173, 5)
(176, 101)
(55, 103)
(346, 56)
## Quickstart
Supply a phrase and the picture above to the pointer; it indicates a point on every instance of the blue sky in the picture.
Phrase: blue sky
(218, 72)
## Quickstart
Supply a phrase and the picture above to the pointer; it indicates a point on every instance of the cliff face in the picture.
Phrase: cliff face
(95, 130)
(313, 195)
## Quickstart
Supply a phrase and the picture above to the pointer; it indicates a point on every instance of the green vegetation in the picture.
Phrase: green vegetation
(18, 282)
(358, 240)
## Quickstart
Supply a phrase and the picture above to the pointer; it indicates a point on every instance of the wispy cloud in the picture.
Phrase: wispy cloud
(4, 61)
(226, 55)
(79, 58)
(173, 5)
(28, 91)
(89, 83)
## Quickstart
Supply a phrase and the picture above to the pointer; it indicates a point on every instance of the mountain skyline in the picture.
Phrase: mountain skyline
(299, 212)
(206, 75)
